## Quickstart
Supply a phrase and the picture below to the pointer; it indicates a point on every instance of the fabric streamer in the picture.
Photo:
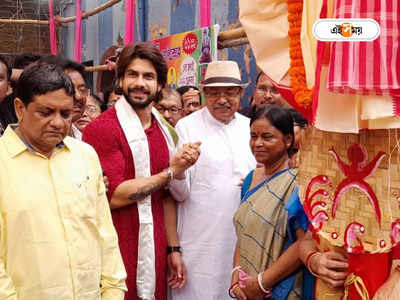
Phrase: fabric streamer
(129, 22)
(53, 36)
(78, 32)
(205, 17)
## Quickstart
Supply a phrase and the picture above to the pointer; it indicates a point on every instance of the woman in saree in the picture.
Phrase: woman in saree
(270, 221)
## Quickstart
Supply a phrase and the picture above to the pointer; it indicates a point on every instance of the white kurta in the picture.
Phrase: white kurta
(208, 199)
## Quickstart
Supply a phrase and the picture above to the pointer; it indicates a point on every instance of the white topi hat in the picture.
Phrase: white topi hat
(222, 73)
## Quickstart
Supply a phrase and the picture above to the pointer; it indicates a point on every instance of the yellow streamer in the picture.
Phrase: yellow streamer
(359, 285)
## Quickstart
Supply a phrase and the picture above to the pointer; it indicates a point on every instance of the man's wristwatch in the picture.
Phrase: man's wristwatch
(171, 249)
(170, 174)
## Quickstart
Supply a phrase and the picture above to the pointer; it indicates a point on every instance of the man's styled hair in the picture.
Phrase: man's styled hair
(63, 63)
(168, 91)
(147, 51)
(42, 79)
(5, 62)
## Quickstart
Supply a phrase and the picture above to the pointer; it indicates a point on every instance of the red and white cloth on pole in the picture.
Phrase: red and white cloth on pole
(369, 68)
(129, 22)
(205, 13)
(78, 32)
(52, 25)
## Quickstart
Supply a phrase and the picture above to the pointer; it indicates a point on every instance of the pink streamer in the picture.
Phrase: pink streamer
(205, 16)
(129, 22)
(78, 32)
(53, 36)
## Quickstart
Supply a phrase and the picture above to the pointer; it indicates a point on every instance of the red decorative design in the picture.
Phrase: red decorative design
(396, 105)
(355, 175)
(189, 43)
(351, 235)
(395, 233)
(335, 235)
(382, 244)
(316, 212)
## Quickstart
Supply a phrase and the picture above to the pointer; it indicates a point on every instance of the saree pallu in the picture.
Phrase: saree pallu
(266, 224)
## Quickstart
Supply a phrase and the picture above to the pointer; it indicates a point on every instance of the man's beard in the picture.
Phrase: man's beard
(139, 104)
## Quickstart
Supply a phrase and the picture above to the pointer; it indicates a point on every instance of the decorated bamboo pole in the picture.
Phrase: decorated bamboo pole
(78, 32)
(129, 22)
(205, 10)
(53, 36)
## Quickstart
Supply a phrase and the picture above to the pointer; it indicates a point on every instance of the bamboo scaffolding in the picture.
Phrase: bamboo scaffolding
(226, 39)
(61, 20)
(89, 13)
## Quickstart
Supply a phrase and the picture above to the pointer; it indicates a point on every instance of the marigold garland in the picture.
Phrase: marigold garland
(298, 84)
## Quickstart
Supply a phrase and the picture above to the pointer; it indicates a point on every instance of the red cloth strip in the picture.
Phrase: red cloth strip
(205, 14)
(129, 22)
(78, 32)
(53, 36)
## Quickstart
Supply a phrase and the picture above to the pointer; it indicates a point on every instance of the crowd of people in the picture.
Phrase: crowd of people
(149, 188)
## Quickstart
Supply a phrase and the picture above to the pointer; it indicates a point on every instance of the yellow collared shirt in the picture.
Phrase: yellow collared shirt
(57, 240)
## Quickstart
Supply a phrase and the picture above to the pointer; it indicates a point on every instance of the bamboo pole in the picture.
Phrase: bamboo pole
(231, 34)
(233, 43)
(60, 19)
(97, 68)
(226, 39)
(89, 13)
(15, 21)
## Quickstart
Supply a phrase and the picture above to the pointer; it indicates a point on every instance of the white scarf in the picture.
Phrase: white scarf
(137, 140)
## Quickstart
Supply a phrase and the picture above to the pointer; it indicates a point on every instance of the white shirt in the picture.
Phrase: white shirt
(77, 133)
(209, 198)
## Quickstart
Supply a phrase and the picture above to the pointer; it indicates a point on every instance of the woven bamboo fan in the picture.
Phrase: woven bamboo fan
(350, 188)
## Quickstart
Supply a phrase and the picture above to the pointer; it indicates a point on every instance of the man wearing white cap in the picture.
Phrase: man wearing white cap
(211, 193)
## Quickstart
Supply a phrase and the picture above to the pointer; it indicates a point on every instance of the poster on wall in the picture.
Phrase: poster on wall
(188, 53)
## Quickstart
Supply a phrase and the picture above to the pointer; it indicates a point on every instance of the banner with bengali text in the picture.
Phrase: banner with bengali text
(188, 53)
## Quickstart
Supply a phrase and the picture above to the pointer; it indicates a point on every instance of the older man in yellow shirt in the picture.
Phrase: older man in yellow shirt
(57, 240)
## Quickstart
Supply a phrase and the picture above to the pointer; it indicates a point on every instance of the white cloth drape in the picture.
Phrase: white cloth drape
(137, 140)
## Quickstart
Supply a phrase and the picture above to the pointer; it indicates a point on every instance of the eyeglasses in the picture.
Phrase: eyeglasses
(265, 90)
(172, 110)
(216, 94)
(91, 109)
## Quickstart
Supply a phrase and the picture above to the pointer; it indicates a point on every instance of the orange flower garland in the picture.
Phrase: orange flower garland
(298, 84)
